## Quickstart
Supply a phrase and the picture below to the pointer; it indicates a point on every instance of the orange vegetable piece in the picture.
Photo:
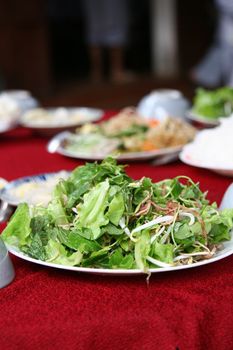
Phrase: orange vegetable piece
(148, 146)
(153, 123)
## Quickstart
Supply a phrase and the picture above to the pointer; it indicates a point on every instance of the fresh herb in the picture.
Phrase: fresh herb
(101, 218)
(213, 104)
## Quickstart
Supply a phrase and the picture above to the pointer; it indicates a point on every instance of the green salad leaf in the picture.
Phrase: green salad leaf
(101, 218)
(18, 229)
(213, 104)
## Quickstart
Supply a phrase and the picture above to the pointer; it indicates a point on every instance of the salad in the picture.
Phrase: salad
(213, 104)
(101, 218)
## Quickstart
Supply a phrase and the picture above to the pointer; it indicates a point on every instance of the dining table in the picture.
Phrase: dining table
(52, 308)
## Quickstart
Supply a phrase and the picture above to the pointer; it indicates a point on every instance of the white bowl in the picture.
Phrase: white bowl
(162, 103)
(22, 98)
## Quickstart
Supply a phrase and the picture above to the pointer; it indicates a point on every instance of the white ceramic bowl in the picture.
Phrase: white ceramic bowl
(22, 98)
(162, 103)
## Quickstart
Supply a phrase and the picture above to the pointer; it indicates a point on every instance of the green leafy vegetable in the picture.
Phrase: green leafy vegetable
(101, 218)
(213, 104)
(18, 229)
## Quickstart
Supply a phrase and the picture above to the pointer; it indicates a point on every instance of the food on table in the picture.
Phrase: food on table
(101, 218)
(129, 132)
(36, 190)
(59, 117)
(213, 104)
(213, 147)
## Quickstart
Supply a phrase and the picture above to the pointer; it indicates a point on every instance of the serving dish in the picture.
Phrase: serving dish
(225, 252)
(186, 157)
(126, 136)
(57, 145)
(212, 148)
(35, 189)
(49, 121)
(93, 231)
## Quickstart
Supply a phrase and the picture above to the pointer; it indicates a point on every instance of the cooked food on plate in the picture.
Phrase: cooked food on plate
(129, 132)
(99, 217)
(59, 117)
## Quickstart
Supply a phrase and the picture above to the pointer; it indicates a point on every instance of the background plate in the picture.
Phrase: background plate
(57, 145)
(7, 193)
(49, 128)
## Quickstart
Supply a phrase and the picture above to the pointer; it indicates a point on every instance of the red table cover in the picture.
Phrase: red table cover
(48, 308)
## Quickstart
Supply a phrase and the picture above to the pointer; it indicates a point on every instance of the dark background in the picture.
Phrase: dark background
(43, 48)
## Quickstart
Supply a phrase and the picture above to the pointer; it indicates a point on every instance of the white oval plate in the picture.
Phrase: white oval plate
(221, 254)
(186, 157)
(56, 144)
(10, 192)
(59, 119)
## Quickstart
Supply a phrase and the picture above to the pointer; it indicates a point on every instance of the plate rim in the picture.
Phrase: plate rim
(144, 155)
(182, 157)
(224, 253)
(100, 112)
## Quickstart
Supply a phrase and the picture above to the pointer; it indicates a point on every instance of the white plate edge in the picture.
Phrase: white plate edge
(219, 256)
(184, 153)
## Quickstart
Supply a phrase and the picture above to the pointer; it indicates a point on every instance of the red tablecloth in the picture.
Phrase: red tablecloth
(46, 308)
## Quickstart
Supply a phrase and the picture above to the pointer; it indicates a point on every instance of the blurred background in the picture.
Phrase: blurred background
(44, 49)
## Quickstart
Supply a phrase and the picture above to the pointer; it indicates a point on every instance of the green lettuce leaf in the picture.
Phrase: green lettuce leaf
(57, 254)
(118, 261)
(142, 249)
(116, 209)
(72, 239)
(36, 249)
(18, 229)
(162, 252)
(91, 213)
